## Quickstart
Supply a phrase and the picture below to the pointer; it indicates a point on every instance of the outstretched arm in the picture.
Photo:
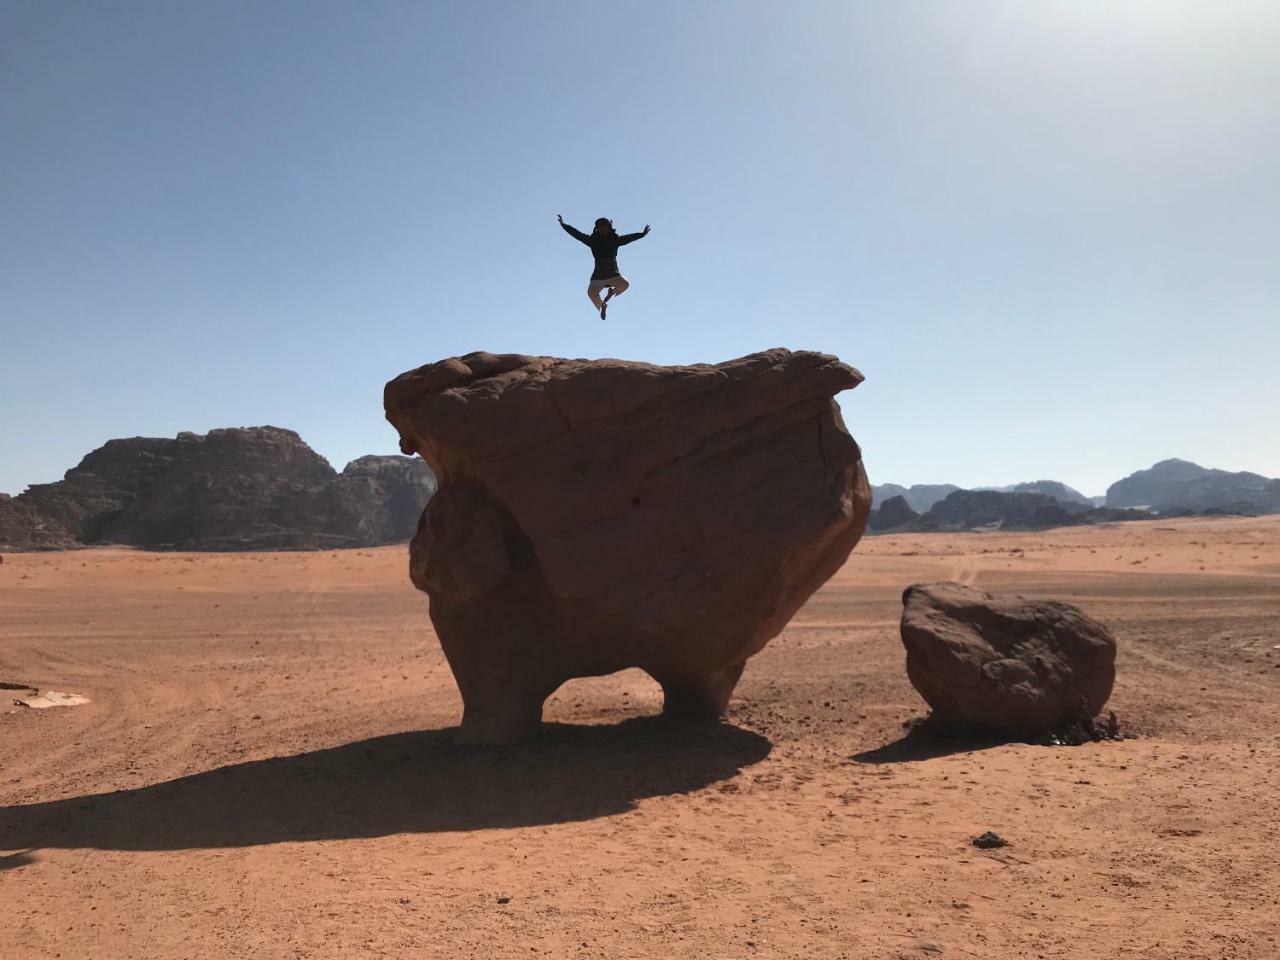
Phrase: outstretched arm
(632, 237)
(573, 231)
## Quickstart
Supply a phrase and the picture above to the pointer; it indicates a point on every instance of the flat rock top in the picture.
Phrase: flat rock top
(506, 369)
(512, 390)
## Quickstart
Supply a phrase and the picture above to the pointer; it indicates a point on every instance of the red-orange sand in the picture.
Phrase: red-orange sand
(264, 771)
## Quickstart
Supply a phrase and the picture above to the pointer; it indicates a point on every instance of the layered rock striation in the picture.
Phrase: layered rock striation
(599, 515)
(23, 527)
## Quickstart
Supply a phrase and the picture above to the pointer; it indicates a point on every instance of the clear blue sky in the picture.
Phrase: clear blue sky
(1048, 233)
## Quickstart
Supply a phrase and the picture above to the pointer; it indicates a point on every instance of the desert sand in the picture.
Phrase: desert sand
(265, 769)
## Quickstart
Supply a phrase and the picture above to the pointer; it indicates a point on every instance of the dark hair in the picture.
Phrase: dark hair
(607, 224)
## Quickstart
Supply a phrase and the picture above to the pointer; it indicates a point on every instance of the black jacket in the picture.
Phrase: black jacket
(604, 247)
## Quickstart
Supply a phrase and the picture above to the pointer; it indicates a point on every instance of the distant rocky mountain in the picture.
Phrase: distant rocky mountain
(922, 496)
(919, 496)
(249, 488)
(966, 509)
(23, 527)
(1053, 488)
(973, 509)
(1170, 488)
(384, 496)
(892, 514)
(1179, 486)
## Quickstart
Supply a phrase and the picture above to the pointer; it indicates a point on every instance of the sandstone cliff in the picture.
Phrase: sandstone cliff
(250, 488)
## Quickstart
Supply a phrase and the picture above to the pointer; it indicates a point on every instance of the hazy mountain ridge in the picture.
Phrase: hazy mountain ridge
(1174, 484)
(1167, 488)
(922, 496)
(1009, 510)
(919, 496)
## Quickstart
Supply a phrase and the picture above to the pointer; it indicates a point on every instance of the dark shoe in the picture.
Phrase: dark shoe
(604, 308)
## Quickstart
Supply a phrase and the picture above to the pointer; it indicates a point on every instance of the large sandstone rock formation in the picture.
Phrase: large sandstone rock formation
(598, 515)
(250, 488)
(1011, 666)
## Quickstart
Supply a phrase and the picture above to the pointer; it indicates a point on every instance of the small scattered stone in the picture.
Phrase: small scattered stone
(504, 899)
(989, 841)
(1084, 730)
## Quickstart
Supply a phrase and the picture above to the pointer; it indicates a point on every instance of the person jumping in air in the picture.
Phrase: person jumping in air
(604, 243)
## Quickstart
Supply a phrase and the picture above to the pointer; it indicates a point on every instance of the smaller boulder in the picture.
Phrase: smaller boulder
(989, 841)
(1009, 666)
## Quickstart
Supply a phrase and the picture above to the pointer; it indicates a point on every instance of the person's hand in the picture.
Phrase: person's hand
(646, 228)
(560, 217)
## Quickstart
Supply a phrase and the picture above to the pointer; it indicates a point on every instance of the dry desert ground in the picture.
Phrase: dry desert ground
(264, 770)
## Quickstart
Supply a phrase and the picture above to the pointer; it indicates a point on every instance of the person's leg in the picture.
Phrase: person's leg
(617, 287)
(593, 292)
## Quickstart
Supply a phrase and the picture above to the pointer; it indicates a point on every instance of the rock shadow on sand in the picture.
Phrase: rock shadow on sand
(923, 742)
(418, 782)
(19, 859)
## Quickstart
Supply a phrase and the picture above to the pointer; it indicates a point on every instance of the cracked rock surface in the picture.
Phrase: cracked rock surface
(599, 515)
(1004, 665)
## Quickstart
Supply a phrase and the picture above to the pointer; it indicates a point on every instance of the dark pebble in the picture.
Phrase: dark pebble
(989, 841)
